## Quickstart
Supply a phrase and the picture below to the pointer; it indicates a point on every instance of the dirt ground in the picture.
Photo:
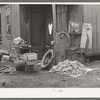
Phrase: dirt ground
(45, 79)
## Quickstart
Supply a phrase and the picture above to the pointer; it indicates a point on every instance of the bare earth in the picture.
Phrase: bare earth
(44, 79)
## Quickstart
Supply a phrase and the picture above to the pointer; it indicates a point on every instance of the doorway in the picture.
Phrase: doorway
(38, 33)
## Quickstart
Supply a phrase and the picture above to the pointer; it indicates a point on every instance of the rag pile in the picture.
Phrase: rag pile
(71, 68)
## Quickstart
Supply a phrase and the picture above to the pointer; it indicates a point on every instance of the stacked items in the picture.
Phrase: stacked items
(18, 45)
(71, 68)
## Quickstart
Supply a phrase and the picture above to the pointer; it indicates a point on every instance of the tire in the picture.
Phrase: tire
(50, 54)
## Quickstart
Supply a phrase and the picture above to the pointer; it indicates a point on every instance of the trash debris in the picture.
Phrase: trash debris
(18, 41)
(19, 45)
(5, 58)
(4, 52)
(71, 68)
(12, 58)
(9, 70)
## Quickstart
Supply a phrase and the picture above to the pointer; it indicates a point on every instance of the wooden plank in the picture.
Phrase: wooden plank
(94, 28)
(54, 19)
(63, 21)
(18, 20)
(15, 22)
(58, 8)
(5, 42)
(0, 9)
(22, 21)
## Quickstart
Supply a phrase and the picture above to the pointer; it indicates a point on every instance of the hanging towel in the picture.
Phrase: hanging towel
(86, 36)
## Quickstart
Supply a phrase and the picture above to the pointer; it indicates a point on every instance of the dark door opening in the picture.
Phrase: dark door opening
(38, 33)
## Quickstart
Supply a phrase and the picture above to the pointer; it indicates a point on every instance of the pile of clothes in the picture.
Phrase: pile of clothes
(71, 68)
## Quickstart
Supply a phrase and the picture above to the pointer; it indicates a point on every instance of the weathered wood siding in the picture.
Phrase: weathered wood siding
(25, 14)
(25, 29)
(34, 21)
(15, 26)
(15, 21)
(61, 18)
(49, 20)
(92, 15)
(5, 42)
(75, 14)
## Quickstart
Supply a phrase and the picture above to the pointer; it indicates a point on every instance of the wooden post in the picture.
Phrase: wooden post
(54, 19)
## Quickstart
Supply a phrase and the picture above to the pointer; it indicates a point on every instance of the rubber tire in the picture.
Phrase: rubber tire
(46, 66)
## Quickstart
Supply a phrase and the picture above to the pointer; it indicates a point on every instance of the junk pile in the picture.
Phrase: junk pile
(18, 61)
(26, 61)
(71, 68)
(18, 45)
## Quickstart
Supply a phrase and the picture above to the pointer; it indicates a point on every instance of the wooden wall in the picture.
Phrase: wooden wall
(92, 15)
(61, 18)
(25, 28)
(15, 21)
(25, 13)
(66, 13)
(87, 14)
(75, 14)
(15, 26)
(49, 20)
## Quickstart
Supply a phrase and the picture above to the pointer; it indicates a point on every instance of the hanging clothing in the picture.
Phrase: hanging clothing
(73, 28)
(50, 28)
(86, 38)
